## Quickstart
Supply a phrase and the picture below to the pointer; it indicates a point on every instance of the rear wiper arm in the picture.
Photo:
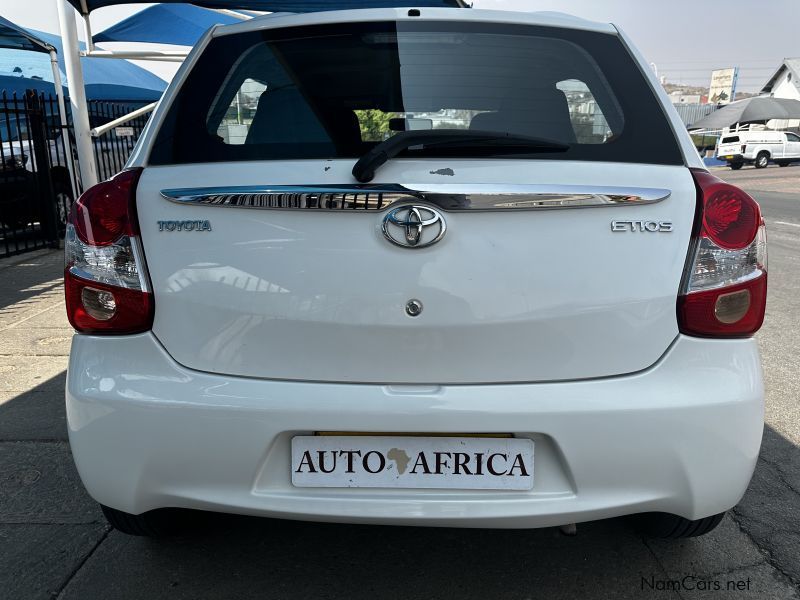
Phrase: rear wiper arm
(364, 169)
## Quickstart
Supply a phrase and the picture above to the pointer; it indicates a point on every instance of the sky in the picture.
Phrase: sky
(686, 39)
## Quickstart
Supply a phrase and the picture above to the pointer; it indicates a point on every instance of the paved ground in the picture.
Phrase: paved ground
(55, 543)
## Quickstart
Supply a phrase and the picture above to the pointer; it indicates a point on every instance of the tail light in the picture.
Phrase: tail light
(106, 287)
(744, 149)
(725, 285)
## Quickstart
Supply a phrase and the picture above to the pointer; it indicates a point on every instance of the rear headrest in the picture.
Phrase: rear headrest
(283, 115)
(342, 124)
(545, 116)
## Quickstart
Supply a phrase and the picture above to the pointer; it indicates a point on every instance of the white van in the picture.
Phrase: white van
(759, 147)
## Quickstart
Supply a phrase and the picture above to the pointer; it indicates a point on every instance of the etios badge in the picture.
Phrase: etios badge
(414, 226)
(644, 226)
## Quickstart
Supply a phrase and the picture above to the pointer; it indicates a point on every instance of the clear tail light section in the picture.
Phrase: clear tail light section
(724, 293)
(106, 286)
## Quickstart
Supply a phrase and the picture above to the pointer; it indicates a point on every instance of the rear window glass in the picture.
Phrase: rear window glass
(337, 91)
(730, 140)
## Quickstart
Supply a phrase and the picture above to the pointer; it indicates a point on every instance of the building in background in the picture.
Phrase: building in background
(785, 83)
(678, 97)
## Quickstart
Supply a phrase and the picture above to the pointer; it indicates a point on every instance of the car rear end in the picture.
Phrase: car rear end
(732, 149)
(548, 328)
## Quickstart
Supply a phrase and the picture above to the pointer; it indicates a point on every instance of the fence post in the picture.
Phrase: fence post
(41, 151)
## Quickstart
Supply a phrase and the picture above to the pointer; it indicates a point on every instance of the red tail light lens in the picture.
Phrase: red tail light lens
(725, 289)
(106, 287)
(705, 314)
(131, 313)
(104, 212)
(730, 216)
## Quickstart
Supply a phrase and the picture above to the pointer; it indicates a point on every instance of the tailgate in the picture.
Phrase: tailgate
(729, 150)
(513, 294)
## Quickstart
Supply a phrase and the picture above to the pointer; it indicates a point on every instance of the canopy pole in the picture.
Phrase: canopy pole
(232, 13)
(98, 131)
(87, 26)
(87, 32)
(62, 114)
(163, 55)
(77, 94)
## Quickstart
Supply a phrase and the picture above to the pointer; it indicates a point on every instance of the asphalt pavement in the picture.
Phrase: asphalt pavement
(54, 542)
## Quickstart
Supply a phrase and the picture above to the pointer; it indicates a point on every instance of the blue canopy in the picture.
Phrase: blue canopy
(104, 79)
(23, 70)
(180, 24)
(15, 37)
(107, 79)
(296, 6)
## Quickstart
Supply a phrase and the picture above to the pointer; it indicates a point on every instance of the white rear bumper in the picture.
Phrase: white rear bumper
(681, 437)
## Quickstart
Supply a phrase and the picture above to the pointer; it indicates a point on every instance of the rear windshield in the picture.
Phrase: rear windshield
(730, 140)
(336, 91)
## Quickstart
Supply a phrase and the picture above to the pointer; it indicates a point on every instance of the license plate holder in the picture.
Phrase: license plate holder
(412, 462)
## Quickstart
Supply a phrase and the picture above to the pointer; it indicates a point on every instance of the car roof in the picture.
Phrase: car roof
(280, 20)
(761, 132)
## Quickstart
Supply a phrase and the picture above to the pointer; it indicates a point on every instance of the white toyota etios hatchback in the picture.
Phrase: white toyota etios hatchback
(415, 267)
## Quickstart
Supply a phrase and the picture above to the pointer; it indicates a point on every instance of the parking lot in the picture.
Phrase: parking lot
(54, 543)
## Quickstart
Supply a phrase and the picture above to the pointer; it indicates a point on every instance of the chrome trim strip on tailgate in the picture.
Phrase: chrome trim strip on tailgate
(449, 197)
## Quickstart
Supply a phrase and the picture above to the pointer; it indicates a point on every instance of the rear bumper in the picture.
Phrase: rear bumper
(681, 437)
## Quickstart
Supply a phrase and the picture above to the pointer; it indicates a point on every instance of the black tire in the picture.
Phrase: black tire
(155, 524)
(783, 164)
(735, 165)
(762, 160)
(673, 527)
(63, 198)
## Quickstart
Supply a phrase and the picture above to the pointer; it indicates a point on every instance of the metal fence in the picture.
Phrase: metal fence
(36, 159)
(689, 113)
(111, 149)
(38, 165)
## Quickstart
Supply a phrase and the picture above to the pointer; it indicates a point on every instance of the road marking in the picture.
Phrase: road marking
(785, 223)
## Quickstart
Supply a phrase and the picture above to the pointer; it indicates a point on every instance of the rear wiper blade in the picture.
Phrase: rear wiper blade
(364, 170)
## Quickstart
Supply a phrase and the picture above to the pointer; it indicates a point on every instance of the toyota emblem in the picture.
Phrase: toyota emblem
(413, 226)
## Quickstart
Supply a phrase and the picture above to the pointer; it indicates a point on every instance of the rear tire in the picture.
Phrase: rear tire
(63, 199)
(735, 165)
(783, 164)
(673, 527)
(762, 160)
(155, 524)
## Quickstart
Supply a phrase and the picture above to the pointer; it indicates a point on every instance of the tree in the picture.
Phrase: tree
(374, 124)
